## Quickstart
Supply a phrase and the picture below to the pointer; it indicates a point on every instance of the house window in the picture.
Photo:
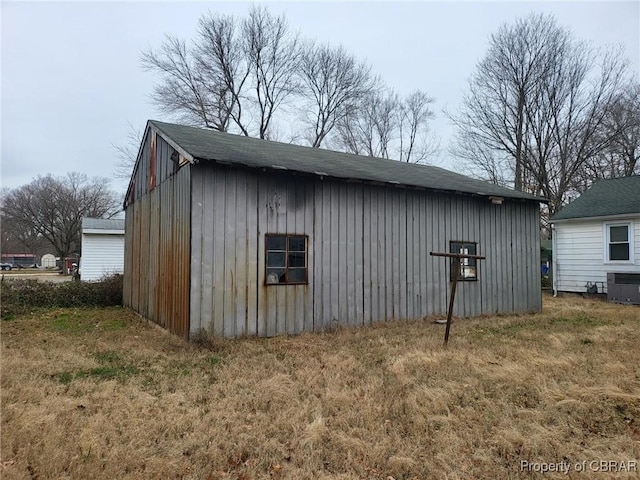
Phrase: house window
(468, 266)
(286, 259)
(618, 242)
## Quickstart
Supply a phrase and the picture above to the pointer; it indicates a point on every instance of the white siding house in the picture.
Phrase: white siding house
(102, 248)
(598, 233)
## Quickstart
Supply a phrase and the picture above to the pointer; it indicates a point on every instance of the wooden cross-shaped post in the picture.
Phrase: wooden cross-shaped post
(458, 257)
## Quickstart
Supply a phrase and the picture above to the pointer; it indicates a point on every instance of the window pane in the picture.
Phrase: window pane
(618, 234)
(619, 251)
(297, 275)
(276, 242)
(276, 259)
(296, 259)
(468, 269)
(275, 275)
(297, 244)
(468, 272)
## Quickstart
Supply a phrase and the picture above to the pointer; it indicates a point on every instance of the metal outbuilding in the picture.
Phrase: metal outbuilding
(241, 236)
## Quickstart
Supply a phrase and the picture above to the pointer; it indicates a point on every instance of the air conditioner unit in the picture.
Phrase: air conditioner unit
(623, 288)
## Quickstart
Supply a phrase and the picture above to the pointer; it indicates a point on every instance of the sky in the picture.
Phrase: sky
(71, 81)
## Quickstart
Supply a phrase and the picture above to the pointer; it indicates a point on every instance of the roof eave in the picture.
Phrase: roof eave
(613, 216)
(389, 183)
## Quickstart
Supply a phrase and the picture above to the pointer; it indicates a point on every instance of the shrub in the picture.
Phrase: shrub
(17, 296)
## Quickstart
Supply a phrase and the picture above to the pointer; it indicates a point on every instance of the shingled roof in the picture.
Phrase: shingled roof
(102, 223)
(614, 196)
(211, 145)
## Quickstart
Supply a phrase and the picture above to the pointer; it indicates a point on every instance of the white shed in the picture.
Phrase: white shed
(102, 248)
(48, 261)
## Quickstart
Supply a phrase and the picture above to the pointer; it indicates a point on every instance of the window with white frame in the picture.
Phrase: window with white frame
(618, 244)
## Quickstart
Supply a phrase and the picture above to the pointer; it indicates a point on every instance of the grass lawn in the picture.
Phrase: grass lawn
(98, 393)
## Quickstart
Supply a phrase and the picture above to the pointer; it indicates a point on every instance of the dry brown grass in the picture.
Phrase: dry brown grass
(101, 394)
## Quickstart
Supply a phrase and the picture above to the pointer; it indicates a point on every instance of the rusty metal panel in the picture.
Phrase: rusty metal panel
(153, 260)
(181, 252)
(152, 163)
(128, 256)
(135, 272)
(157, 239)
(164, 279)
(143, 277)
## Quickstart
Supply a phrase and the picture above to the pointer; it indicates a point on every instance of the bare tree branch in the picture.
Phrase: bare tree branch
(181, 90)
(535, 107)
(52, 208)
(333, 83)
(127, 153)
(223, 68)
(273, 54)
(384, 125)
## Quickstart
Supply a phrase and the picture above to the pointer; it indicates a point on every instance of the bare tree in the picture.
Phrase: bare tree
(368, 127)
(580, 100)
(480, 159)
(52, 208)
(493, 114)
(624, 126)
(127, 153)
(241, 74)
(20, 238)
(333, 83)
(384, 125)
(417, 143)
(621, 158)
(182, 90)
(234, 72)
(535, 106)
(223, 68)
(273, 53)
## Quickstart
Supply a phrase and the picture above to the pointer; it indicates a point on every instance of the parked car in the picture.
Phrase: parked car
(5, 266)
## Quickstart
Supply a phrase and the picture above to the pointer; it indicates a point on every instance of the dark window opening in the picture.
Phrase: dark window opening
(286, 259)
(468, 266)
(619, 242)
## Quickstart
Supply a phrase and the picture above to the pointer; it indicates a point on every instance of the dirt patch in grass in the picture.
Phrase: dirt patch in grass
(98, 393)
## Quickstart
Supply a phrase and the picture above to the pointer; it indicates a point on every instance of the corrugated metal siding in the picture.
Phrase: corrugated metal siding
(368, 253)
(101, 255)
(157, 238)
